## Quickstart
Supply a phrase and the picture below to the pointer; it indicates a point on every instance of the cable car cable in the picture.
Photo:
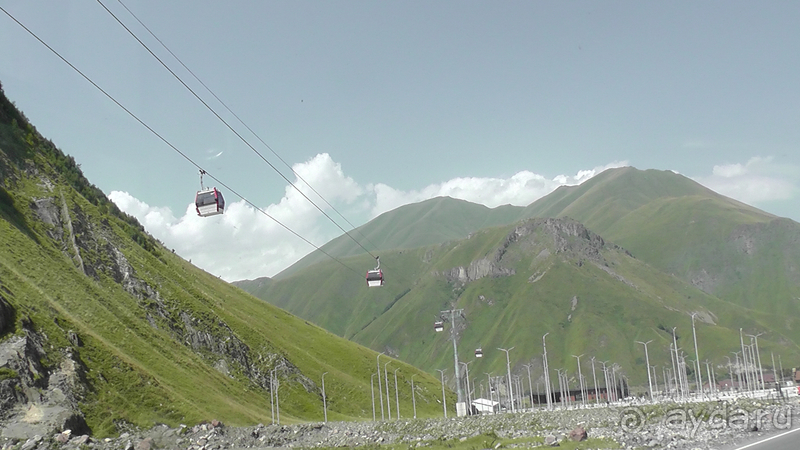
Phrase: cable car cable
(243, 123)
(230, 127)
(163, 139)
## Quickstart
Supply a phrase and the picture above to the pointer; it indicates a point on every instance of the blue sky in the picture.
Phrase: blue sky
(378, 104)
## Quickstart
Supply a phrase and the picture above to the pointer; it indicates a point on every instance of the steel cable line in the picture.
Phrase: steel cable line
(163, 139)
(230, 127)
(242, 122)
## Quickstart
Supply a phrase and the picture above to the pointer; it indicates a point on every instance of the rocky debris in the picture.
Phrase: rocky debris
(552, 428)
(578, 434)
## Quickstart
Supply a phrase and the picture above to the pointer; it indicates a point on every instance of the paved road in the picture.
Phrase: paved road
(785, 440)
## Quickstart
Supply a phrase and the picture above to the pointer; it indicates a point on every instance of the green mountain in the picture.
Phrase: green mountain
(515, 283)
(429, 222)
(102, 327)
(722, 246)
(693, 251)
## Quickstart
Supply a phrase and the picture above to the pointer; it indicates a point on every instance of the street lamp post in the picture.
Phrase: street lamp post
(758, 357)
(530, 384)
(677, 360)
(655, 379)
(730, 370)
(277, 398)
(324, 400)
(647, 361)
(466, 368)
(272, 394)
(491, 398)
(380, 389)
(546, 373)
(594, 376)
(413, 396)
(580, 378)
(699, 377)
(372, 389)
(775, 375)
(508, 367)
(388, 398)
(444, 399)
(738, 371)
(744, 358)
(396, 393)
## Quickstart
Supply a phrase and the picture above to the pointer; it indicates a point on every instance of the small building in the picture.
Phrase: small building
(485, 406)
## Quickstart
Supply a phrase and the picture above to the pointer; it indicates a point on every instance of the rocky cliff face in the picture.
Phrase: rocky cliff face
(535, 237)
(37, 398)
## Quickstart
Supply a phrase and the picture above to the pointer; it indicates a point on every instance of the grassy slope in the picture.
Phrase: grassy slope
(510, 311)
(137, 372)
(429, 222)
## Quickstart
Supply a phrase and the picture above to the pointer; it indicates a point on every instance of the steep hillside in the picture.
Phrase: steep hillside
(515, 283)
(722, 246)
(429, 222)
(102, 327)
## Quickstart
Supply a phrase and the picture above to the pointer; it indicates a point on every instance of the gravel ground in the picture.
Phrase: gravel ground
(674, 426)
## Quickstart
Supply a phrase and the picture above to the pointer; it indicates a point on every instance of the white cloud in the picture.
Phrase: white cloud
(758, 180)
(245, 243)
(521, 189)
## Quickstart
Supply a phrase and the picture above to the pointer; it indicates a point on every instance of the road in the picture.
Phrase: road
(785, 440)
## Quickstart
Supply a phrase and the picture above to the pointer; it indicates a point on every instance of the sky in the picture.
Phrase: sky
(381, 104)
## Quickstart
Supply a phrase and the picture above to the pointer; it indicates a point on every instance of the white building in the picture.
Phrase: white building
(485, 406)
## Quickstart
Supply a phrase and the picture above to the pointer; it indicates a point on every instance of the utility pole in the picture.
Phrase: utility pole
(699, 377)
(647, 361)
(508, 367)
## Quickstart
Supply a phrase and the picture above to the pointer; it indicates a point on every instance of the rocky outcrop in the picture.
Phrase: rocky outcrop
(36, 399)
(7, 314)
(476, 270)
(536, 238)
